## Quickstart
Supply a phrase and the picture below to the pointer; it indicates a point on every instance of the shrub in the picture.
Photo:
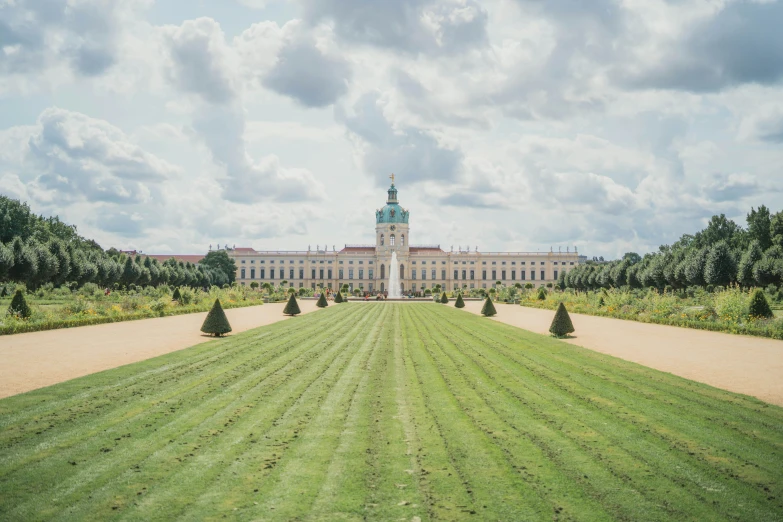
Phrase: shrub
(444, 299)
(528, 286)
(321, 301)
(159, 307)
(216, 322)
(561, 324)
(759, 307)
(549, 285)
(338, 298)
(541, 294)
(460, 303)
(292, 307)
(19, 306)
(4, 292)
(488, 310)
(601, 301)
(254, 285)
(176, 296)
(732, 305)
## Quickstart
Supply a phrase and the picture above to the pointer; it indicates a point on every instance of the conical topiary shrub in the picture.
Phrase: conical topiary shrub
(488, 310)
(292, 307)
(601, 301)
(216, 322)
(541, 294)
(759, 307)
(561, 324)
(322, 301)
(444, 298)
(19, 306)
(338, 298)
(4, 292)
(460, 303)
(176, 296)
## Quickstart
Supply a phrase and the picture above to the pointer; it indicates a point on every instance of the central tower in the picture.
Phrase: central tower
(391, 226)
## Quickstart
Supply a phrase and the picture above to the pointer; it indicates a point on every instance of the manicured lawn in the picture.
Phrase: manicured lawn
(388, 412)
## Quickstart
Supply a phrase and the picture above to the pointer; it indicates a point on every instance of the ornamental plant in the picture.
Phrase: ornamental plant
(488, 310)
(322, 301)
(216, 322)
(444, 299)
(561, 324)
(19, 306)
(292, 307)
(4, 292)
(338, 298)
(460, 303)
(176, 296)
(541, 294)
(759, 307)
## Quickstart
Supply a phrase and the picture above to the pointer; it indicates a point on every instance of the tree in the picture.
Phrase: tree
(216, 322)
(632, 258)
(6, 261)
(760, 227)
(776, 229)
(444, 299)
(219, 260)
(720, 267)
(488, 310)
(751, 256)
(19, 306)
(561, 324)
(292, 307)
(322, 301)
(759, 307)
(459, 303)
(254, 285)
(25, 262)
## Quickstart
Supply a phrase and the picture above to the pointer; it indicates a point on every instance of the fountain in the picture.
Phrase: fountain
(394, 278)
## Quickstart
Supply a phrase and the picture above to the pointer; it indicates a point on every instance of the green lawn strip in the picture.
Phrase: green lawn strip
(293, 485)
(392, 489)
(445, 490)
(66, 424)
(756, 428)
(493, 413)
(150, 430)
(269, 424)
(701, 478)
(498, 490)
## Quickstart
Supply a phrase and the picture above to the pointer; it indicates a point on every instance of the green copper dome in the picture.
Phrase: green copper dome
(392, 212)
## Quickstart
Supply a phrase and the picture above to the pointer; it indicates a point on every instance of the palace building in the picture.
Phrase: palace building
(367, 267)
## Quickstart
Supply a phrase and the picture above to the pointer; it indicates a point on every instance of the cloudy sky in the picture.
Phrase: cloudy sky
(519, 125)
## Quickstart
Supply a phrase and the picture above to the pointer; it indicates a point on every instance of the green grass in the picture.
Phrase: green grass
(388, 412)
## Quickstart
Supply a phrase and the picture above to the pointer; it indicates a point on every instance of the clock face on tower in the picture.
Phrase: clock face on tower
(393, 228)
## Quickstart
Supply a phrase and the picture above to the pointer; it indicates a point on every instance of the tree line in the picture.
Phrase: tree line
(35, 250)
(722, 254)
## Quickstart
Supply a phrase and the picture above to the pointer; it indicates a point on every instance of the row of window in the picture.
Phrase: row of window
(281, 273)
(392, 239)
(433, 273)
(272, 262)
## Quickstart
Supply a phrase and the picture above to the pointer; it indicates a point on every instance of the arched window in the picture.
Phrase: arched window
(402, 271)
(402, 240)
(383, 271)
(391, 240)
(381, 239)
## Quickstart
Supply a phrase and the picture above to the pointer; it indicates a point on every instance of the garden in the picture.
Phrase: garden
(64, 307)
(388, 412)
(731, 310)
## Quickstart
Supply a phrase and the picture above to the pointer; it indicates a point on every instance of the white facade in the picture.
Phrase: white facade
(366, 267)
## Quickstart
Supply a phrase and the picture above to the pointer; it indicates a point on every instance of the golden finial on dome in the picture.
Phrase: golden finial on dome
(392, 178)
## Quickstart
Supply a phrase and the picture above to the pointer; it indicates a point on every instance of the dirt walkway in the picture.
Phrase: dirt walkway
(742, 364)
(34, 360)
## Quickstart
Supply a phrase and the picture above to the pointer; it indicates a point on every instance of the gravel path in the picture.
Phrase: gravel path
(37, 359)
(742, 364)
